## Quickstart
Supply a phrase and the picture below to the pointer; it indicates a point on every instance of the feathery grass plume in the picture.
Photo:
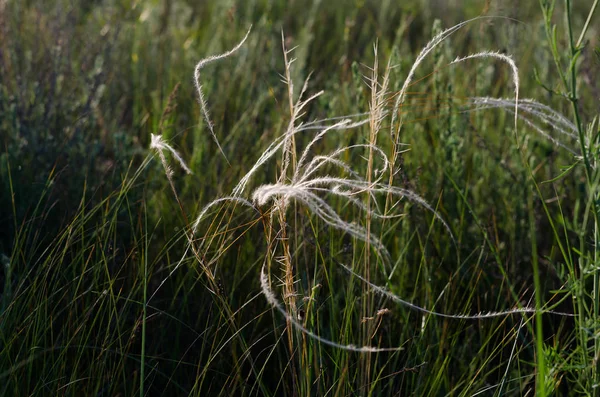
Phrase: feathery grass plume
(483, 315)
(203, 105)
(307, 186)
(277, 144)
(396, 125)
(543, 113)
(279, 207)
(289, 146)
(158, 143)
(505, 58)
(395, 130)
(307, 191)
(377, 114)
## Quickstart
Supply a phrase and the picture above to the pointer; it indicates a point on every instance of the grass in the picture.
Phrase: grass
(355, 198)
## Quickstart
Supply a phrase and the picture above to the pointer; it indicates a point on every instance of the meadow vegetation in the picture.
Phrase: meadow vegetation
(299, 198)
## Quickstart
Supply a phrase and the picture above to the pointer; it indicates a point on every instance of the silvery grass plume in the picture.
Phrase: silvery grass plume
(396, 125)
(158, 143)
(203, 105)
(548, 116)
(310, 188)
(544, 114)
(311, 185)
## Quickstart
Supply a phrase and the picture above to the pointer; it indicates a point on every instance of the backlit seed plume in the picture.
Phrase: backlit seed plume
(203, 105)
(158, 143)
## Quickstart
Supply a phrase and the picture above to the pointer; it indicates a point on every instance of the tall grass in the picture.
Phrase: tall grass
(411, 226)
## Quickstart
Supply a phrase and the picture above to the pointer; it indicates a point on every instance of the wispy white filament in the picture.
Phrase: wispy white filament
(541, 112)
(479, 316)
(158, 143)
(202, 63)
(505, 58)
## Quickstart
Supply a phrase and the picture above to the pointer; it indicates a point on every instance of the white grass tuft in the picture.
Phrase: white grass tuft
(546, 115)
(505, 58)
(158, 143)
(395, 131)
(203, 105)
(439, 38)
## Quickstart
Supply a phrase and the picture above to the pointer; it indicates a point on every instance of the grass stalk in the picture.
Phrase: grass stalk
(540, 372)
(145, 308)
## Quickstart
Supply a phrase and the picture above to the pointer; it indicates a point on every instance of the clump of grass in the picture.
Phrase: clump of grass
(308, 182)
